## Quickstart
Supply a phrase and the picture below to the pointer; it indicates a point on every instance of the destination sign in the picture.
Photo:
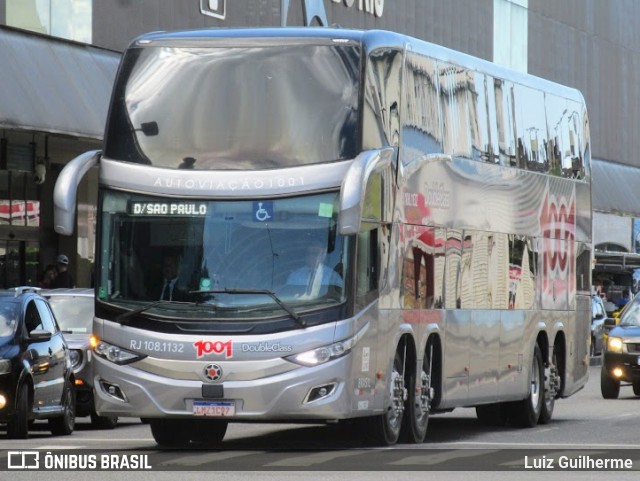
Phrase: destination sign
(167, 208)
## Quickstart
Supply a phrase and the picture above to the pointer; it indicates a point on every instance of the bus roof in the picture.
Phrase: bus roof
(370, 39)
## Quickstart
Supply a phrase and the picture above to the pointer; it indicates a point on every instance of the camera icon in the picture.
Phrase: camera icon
(23, 460)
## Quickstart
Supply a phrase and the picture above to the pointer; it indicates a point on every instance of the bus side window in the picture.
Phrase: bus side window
(367, 266)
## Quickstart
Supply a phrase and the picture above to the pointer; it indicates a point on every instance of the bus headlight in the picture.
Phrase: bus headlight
(614, 344)
(115, 354)
(322, 354)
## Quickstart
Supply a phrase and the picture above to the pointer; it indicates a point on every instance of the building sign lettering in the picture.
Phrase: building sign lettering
(374, 7)
(214, 8)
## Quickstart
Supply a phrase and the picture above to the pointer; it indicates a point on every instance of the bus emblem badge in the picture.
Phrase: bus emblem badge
(213, 372)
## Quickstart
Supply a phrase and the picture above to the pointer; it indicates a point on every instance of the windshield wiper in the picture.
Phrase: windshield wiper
(133, 312)
(266, 292)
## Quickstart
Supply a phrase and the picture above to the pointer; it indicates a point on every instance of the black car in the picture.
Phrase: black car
(36, 377)
(598, 318)
(621, 360)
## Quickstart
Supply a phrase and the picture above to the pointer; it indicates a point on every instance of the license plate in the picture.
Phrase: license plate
(214, 408)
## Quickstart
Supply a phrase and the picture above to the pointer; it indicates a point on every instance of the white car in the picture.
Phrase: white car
(74, 309)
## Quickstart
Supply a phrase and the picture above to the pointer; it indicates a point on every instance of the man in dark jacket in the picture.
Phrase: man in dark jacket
(64, 278)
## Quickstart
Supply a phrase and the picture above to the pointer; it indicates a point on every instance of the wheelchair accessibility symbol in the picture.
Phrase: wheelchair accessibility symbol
(263, 210)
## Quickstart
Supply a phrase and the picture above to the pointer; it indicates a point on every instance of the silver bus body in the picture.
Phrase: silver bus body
(462, 231)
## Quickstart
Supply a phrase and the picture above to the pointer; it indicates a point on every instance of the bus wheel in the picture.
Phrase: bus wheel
(209, 432)
(171, 433)
(418, 405)
(551, 386)
(176, 433)
(384, 430)
(527, 412)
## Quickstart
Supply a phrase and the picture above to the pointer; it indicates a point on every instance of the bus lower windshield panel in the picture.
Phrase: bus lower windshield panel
(221, 259)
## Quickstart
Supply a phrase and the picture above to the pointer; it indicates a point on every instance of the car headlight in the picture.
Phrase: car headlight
(76, 357)
(614, 344)
(323, 354)
(115, 353)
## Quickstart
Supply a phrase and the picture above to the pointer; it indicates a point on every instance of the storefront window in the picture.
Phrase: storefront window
(18, 199)
(70, 19)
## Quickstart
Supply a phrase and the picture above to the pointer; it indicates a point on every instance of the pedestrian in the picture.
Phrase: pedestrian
(64, 278)
(48, 277)
(626, 297)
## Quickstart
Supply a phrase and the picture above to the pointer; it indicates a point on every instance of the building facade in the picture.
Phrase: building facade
(591, 45)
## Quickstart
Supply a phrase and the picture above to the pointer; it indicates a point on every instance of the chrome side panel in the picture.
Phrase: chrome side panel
(452, 192)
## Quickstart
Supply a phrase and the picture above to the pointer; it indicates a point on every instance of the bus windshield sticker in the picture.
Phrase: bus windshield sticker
(325, 210)
(167, 208)
(262, 210)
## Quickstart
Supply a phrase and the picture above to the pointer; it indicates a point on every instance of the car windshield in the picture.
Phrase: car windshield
(236, 259)
(8, 319)
(630, 316)
(73, 313)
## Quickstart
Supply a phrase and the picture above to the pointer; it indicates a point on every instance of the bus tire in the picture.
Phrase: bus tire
(548, 403)
(175, 433)
(527, 412)
(609, 387)
(384, 429)
(209, 432)
(418, 405)
(170, 433)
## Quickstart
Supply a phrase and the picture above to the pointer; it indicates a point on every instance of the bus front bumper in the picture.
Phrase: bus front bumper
(302, 393)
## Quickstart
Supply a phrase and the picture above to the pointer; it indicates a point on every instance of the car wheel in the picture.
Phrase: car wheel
(103, 422)
(18, 426)
(609, 387)
(64, 425)
(636, 388)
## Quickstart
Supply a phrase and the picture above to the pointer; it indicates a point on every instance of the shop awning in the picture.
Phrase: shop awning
(53, 85)
(615, 188)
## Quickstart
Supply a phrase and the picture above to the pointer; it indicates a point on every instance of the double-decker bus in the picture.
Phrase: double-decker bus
(361, 227)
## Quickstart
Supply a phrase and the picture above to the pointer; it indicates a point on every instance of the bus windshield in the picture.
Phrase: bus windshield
(251, 107)
(221, 259)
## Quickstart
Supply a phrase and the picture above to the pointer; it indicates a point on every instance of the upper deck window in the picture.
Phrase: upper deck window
(246, 107)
